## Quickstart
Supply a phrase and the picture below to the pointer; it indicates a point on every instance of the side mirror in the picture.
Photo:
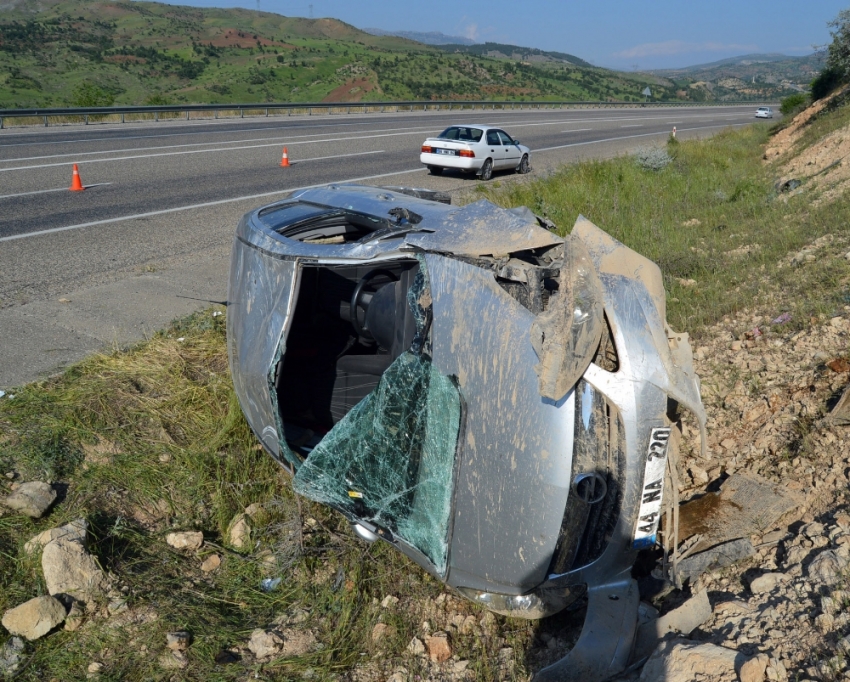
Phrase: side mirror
(516, 141)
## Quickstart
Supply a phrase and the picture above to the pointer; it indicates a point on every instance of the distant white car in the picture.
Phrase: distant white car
(475, 148)
(764, 112)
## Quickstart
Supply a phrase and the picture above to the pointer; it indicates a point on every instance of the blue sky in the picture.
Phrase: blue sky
(622, 34)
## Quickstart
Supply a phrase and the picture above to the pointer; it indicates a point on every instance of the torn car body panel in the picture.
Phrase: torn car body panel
(488, 397)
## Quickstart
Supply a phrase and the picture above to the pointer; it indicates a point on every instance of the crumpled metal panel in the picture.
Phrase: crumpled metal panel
(255, 322)
(481, 229)
(566, 335)
(620, 268)
(516, 449)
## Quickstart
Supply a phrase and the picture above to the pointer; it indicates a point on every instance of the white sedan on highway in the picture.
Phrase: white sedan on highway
(475, 148)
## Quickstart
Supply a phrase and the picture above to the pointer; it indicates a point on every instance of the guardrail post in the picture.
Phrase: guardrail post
(216, 113)
(310, 111)
(187, 114)
(267, 112)
(156, 116)
(122, 118)
(86, 117)
(241, 113)
(1, 123)
(45, 121)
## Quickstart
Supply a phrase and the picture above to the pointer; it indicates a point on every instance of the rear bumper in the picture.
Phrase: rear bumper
(446, 161)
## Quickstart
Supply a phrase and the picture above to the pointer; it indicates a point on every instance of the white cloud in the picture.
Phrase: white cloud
(671, 47)
(471, 31)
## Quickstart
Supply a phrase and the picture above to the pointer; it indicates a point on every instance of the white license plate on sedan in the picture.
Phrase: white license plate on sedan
(653, 489)
(450, 152)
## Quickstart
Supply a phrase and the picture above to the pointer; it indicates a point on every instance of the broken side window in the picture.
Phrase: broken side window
(390, 460)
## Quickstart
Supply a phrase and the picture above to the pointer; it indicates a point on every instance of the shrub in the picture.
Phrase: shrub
(652, 158)
(794, 103)
(829, 79)
(89, 95)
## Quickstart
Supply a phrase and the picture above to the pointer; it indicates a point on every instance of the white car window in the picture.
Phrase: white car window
(506, 139)
(493, 138)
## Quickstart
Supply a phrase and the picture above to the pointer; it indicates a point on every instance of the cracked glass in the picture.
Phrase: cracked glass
(390, 460)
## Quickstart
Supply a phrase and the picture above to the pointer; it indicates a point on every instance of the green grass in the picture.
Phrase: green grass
(151, 440)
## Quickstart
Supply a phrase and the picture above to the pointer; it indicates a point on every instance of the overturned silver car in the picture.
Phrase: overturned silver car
(492, 399)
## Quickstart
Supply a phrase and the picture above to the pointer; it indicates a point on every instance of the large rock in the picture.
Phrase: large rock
(191, 540)
(239, 533)
(69, 569)
(33, 499)
(681, 660)
(35, 618)
(827, 567)
(11, 654)
(75, 530)
(265, 644)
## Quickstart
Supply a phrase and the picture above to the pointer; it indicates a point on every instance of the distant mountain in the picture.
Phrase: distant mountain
(746, 60)
(515, 53)
(768, 76)
(427, 38)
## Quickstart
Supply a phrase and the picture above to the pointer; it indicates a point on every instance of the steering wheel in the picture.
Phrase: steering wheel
(358, 292)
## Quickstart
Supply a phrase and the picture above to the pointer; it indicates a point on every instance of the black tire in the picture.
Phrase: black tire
(435, 170)
(486, 170)
(523, 167)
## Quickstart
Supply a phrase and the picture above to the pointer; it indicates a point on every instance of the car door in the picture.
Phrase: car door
(513, 153)
(495, 149)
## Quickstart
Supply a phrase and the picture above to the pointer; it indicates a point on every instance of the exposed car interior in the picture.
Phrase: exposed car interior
(349, 324)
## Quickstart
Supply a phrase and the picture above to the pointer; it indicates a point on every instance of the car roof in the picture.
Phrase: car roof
(473, 125)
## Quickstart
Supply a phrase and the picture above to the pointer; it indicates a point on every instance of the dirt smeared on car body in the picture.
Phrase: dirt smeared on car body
(492, 399)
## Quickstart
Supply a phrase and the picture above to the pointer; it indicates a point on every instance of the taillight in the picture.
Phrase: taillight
(466, 153)
(426, 149)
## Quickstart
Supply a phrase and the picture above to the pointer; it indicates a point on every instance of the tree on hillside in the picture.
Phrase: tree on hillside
(837, 69)
(838, 52)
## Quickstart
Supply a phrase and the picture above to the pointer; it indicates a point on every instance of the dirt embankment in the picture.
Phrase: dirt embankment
(824, 167)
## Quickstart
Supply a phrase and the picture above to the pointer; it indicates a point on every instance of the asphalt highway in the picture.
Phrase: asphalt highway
(149, 237)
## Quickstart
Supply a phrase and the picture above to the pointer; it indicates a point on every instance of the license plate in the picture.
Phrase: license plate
(450, 152)
(653, 489)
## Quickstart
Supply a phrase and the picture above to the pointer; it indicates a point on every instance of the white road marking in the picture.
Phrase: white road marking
(192, 151)
(46, 191)
(580, 130)
(203, 205)
(629, 137)
(636, 125)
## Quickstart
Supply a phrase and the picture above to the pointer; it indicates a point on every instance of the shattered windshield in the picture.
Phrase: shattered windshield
(390, 460)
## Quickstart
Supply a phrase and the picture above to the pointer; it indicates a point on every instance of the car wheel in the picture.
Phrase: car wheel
(523, 167)
(486, 170)
(435, 170)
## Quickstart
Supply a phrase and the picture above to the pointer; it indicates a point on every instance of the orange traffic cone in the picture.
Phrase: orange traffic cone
(284, 162)
(76, 183)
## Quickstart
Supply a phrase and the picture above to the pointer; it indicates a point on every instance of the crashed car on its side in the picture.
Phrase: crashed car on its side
(492, 399)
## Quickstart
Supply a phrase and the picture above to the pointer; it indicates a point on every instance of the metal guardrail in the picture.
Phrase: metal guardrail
(121, 114)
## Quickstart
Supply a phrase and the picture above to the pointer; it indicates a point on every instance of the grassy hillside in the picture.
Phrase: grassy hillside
(769, 76)
(101, 52)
